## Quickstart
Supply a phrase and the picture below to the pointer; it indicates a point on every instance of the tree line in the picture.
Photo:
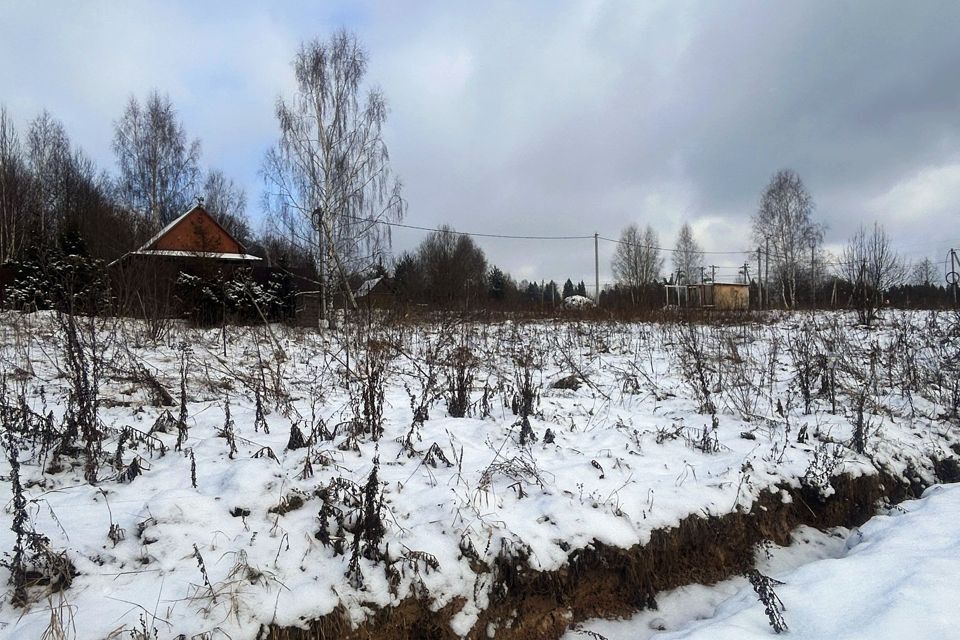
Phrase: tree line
(792, 263)
(329, 190)
(50, 188)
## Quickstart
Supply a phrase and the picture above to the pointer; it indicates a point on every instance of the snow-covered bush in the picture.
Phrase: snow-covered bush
(578, 302)
(237, 297)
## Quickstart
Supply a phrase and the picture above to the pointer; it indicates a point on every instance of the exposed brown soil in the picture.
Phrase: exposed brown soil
(604, 581)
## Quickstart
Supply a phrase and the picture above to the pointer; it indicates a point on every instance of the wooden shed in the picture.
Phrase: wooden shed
(376, 292)
(723, 296)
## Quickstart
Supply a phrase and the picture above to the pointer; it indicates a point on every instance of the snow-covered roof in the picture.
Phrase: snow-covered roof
(195, 254)
(368, 285)
(717, 284)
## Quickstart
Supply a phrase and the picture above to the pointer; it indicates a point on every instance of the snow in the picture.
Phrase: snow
(213, 255)
(628, 458)
(893, 578)
(577, 302)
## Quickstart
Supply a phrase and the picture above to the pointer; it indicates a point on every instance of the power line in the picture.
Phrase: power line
(649, 246)
(505, 236)
(467, 233)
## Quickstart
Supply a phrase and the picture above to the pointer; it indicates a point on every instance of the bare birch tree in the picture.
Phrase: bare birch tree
(925, 273)
(226, 201)
(687, 255)
(64, 188)
(637, 261)
(48, 154)
(872, 266)
(15, 189)
(158, 165)
(329, 183)
(52, 196)
(785, 221)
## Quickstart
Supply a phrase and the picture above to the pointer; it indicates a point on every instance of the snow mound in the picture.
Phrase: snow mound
(578, 302)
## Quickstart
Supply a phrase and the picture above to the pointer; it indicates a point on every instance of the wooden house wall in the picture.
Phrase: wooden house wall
(197, 232)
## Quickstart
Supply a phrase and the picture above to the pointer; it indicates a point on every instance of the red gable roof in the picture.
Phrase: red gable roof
(195, 233)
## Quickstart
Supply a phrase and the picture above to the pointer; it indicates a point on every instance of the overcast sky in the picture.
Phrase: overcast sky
(552, 118)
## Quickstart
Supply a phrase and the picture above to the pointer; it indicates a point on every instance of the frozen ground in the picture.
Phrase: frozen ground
(893, 578)
(631, 428)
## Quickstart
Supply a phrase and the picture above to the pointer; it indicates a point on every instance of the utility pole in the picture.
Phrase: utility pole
(953, 275)
(596, 266)
(339, 265)
(713, 273)
(813, 277)
(745, 272)
(327, 234)
(324, 292)
(766, 273)
(702, 269)
(759, 280)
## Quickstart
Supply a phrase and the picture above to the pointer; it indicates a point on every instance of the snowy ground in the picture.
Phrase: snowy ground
(282, 533)
(893, 578)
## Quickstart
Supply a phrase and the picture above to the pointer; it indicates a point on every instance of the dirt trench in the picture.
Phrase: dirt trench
(605, 581)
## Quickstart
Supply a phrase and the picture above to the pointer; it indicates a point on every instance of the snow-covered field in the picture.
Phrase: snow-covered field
(341, 479)
(893, 578)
